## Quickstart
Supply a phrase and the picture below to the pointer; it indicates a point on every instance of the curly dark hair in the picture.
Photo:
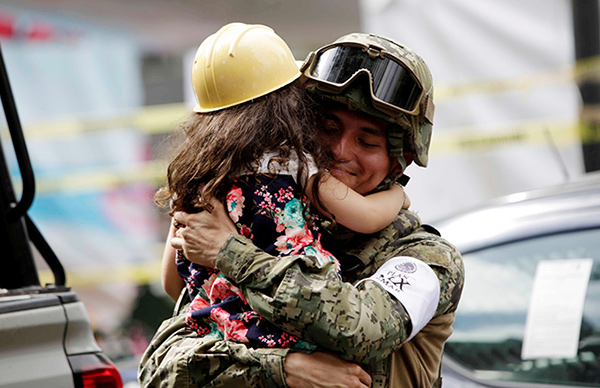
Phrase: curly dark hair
(222, 145)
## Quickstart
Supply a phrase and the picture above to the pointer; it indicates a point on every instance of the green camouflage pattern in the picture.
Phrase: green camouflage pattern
(322, 310)
(177, 357)
(308, 299)
(357, 97)
(439, 254)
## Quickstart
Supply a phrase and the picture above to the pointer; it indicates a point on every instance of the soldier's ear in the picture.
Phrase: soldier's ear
(408, 156)
(396, 168)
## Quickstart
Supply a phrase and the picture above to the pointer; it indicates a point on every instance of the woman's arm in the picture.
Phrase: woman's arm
(171, 281)
(363, 214)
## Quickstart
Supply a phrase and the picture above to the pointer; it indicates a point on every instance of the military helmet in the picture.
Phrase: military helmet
(382, 78)
(238, 63)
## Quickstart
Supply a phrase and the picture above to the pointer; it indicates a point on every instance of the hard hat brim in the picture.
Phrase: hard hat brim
(199, 109)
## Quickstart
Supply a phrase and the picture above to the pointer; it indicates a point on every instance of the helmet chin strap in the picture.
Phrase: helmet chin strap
(397, 176)
(403, 180)
(397, 171)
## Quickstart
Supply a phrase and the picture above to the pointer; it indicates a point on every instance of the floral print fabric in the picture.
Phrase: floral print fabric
(271, 211)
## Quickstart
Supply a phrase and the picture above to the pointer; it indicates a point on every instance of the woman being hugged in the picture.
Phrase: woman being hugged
(252, 143)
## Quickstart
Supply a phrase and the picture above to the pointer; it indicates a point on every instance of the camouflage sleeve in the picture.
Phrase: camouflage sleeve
(407, 237)
(309, 300)
(176, 357)
(446, 262)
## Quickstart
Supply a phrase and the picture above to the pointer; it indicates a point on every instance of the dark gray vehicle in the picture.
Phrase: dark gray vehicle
(46, 338)
(502, 244)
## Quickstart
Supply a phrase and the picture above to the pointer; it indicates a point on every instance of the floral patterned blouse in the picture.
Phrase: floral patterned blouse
(272, 212)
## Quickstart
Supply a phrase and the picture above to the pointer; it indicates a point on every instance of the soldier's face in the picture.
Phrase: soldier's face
(359, 146)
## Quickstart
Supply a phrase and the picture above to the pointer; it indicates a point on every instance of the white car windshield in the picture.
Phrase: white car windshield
(491, 320)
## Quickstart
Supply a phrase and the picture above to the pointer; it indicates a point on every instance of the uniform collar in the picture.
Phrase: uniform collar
(358, 251)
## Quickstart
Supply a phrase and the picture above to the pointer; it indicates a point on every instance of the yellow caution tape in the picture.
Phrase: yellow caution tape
(153, 172)
(138, 273)
(159, 119)
(584, 71)
(163, 119)
(154, 119)
(529, 81)
(457, 140)
(534, 132)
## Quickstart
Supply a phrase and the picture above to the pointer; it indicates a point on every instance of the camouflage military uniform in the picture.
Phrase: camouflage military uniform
(364, 324)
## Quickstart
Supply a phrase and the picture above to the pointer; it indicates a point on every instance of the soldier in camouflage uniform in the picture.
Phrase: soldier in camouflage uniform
(393, 310)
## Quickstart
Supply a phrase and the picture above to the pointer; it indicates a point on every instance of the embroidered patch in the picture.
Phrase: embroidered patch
(406, 267)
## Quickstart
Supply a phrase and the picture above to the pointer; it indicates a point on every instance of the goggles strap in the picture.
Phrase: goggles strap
(428, 107)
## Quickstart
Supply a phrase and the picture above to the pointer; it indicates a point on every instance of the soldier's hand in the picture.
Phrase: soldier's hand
(323, 370)
(201, 235)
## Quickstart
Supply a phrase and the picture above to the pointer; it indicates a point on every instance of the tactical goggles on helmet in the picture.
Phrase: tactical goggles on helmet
(394, 87)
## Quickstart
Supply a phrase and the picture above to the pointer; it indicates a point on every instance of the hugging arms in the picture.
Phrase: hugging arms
(383, 319)
(364, 324)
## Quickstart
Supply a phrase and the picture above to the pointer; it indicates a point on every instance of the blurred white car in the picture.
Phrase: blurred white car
(552, 231)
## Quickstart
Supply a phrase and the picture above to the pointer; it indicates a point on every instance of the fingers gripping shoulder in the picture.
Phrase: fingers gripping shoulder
(414, 284)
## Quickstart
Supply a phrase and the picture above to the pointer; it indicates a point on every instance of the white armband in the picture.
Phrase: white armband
(414, 284)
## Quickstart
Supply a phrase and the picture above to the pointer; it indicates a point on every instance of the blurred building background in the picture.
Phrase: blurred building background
(100, 85)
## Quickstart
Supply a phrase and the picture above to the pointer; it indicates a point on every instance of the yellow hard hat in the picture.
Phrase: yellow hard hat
(238, 63)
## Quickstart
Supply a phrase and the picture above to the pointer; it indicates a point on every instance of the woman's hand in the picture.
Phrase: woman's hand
(170, 279)
(201, 235)
(323, 370)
